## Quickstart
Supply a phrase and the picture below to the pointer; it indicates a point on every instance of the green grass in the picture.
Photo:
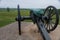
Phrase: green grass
(9, 17)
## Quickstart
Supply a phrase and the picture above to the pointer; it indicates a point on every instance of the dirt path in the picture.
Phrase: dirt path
(29, 32)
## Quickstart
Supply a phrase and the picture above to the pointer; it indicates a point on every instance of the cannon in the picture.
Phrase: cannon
(46, 20)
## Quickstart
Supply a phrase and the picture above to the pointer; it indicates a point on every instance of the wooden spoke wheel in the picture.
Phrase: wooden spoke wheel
(52, 18)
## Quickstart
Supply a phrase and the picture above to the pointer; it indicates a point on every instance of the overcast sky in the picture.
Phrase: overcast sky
(29, 3)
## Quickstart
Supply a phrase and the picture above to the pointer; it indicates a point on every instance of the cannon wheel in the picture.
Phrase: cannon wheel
(53, 18)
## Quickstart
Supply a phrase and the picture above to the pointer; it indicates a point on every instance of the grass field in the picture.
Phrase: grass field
(9, 17)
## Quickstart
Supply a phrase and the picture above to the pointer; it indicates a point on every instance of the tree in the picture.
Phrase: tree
(8, 9)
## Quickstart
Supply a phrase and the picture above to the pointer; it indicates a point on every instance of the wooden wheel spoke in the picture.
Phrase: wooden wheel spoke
(49, 26)
(52, 11)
